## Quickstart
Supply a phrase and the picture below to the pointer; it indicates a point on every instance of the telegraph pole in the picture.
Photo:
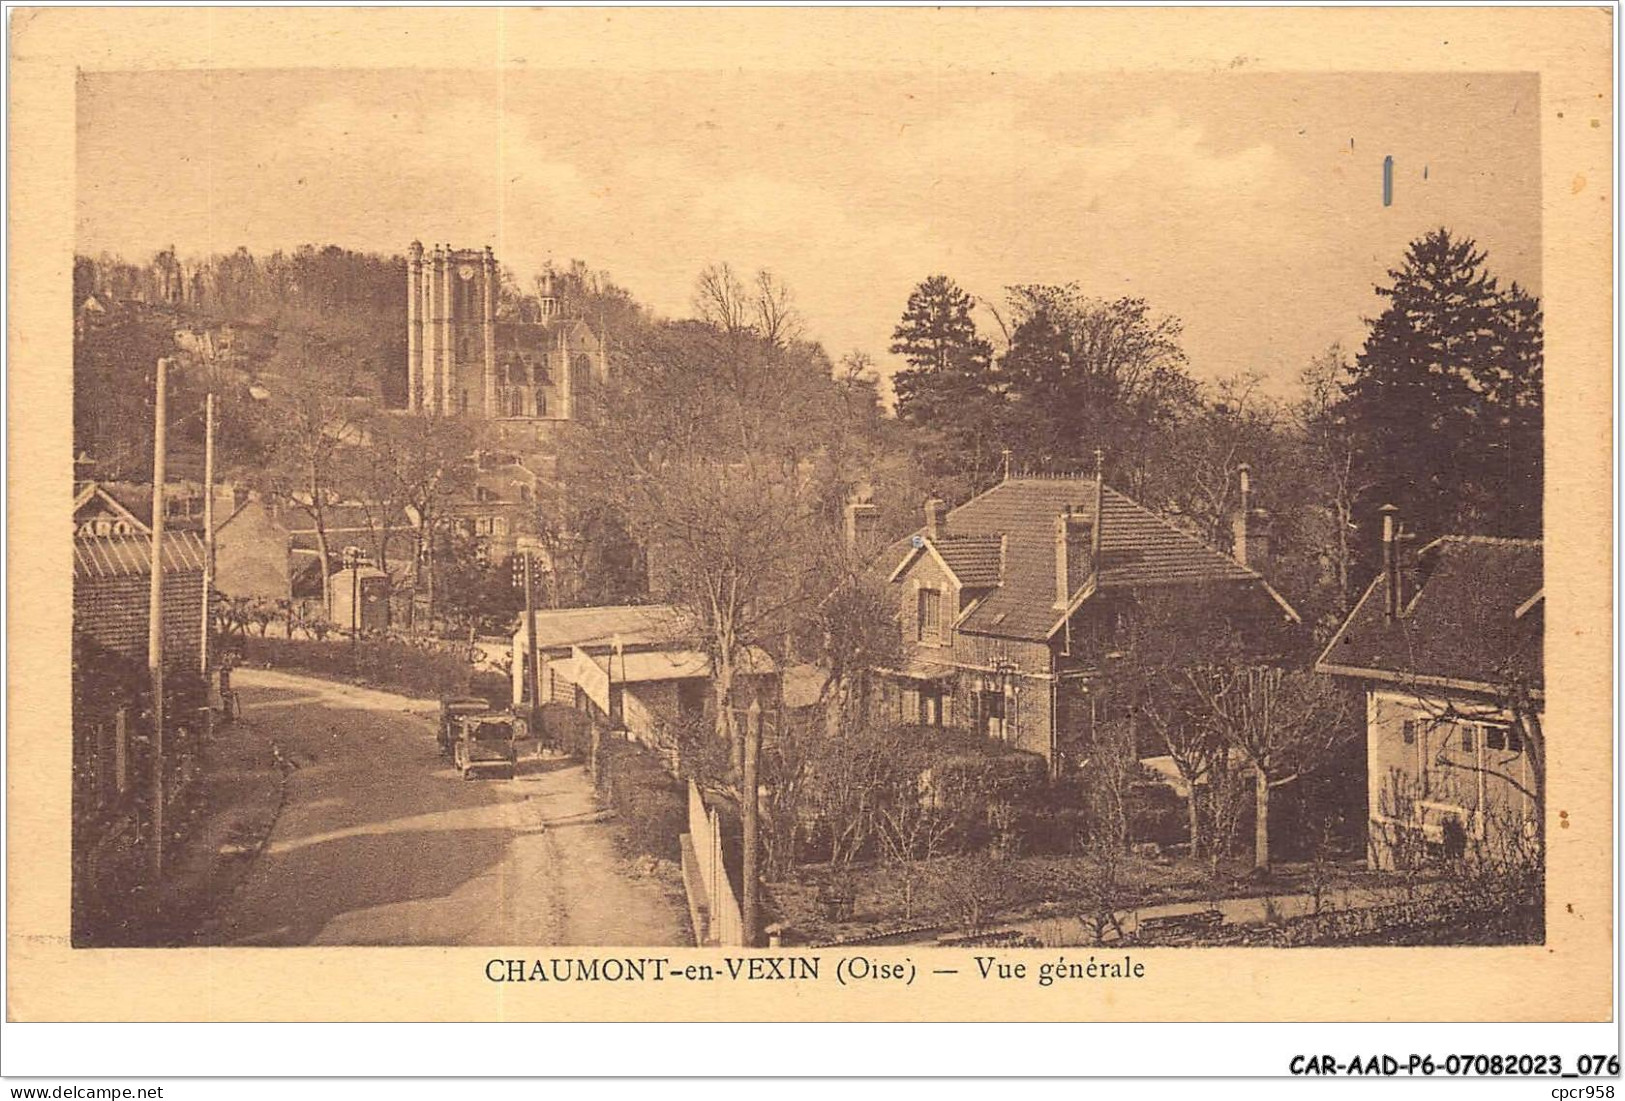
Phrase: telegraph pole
(208, 532)
(155, 623)
(352, 562)
(530, 638)
(750, 917)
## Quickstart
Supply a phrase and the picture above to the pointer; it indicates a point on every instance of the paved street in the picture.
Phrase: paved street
(382, 842)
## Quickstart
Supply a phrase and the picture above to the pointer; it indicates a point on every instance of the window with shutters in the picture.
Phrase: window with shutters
(929, 619)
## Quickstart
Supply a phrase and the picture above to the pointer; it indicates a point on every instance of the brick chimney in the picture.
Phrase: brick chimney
(862, 526)
(1074, 554)
(1390, 562)
(936, 516)
(1250, 527)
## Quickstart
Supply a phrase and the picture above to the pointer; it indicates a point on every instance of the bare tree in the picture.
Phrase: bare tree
(1332, 471)
(1160, 644)
(720, 299)
(419, 463)
(1236, 427)
(777, 320)
(914, 827)
(318, 410)
(1109, 775)
(1284, 724)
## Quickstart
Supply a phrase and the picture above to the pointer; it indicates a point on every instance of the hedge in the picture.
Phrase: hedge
(415, 670)
(650, 801)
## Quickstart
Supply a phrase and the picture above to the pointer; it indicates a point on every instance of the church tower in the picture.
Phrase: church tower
(451, 361)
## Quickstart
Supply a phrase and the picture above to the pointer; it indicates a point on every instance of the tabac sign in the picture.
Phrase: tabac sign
(97, 515)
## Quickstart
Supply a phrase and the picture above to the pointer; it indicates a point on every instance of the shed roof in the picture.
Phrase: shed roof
(659, 665)
(635, 624)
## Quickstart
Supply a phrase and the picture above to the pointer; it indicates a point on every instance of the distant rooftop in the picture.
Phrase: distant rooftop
(1472, 614)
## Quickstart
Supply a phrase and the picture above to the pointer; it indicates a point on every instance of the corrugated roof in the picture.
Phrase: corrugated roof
(659, 665)
(1138, 547)
(636, 624)
(1462, 623)
(131, 555)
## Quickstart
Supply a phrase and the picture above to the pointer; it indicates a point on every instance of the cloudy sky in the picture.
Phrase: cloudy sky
(1247, 205)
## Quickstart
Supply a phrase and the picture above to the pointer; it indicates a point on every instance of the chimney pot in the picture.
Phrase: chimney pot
(936, 516)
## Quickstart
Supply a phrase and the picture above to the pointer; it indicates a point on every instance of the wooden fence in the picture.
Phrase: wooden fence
(713, 903)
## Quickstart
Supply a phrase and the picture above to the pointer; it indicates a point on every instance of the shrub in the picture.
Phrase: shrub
(651, 803)
(1157, 813)
(385, 662)
(566, 729)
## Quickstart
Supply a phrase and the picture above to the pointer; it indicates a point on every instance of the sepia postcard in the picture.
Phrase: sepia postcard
(811, 514)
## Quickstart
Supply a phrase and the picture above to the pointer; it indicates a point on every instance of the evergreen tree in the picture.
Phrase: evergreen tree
(1446, 396)
(949, 385)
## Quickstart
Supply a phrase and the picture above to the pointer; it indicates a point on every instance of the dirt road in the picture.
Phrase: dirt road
(381, 842)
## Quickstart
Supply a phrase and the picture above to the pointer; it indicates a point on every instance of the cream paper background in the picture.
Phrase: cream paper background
(1568, 978)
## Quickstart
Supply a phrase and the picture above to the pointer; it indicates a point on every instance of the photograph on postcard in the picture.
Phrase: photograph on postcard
(529, 483)
(664, 512)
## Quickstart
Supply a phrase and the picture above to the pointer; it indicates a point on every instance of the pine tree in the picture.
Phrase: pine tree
(949, 384)
(1445, 399)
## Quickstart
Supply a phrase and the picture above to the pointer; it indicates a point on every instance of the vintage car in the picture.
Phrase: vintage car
(450, 711)
(486, 744)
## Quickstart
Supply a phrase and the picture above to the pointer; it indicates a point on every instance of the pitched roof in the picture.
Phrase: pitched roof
(131, 555)
(1462, 627)
(977, 560)
(1138, 548)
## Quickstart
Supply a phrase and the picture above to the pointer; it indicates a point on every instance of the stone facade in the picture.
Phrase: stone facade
(462, 360)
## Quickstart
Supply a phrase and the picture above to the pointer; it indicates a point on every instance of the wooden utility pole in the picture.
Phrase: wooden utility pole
(749, 810)
(530, 638)
(155, 623)
(208, 533)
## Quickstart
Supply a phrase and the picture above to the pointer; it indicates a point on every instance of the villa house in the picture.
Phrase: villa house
(1450, 655)
(1010, 604)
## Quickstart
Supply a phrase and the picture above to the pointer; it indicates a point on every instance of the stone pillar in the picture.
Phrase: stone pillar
(414, 327)
(448, 338)
(435, 355)
(488, 278)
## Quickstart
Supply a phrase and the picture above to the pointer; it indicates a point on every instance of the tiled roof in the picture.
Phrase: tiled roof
(1461, 625)
(131, 555)
(1139, 548)
(976, 560)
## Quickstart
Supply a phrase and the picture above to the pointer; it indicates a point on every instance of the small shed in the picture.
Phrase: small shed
(361, 599)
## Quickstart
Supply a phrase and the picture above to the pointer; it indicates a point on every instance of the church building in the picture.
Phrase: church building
(463, 360)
